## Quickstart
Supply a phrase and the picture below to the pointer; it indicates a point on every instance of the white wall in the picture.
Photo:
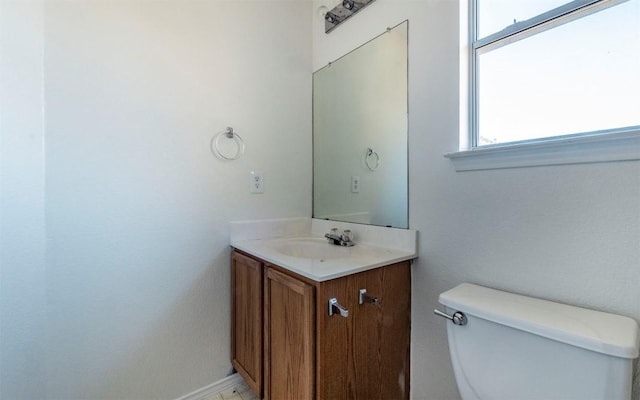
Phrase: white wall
(565, 233)
(22, 239)
(115, 213)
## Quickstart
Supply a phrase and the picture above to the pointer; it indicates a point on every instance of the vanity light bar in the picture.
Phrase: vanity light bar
(342, 12)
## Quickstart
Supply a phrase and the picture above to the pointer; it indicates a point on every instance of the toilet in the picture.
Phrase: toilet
(506, 346)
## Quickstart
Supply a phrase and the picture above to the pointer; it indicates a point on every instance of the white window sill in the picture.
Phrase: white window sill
(604, 147)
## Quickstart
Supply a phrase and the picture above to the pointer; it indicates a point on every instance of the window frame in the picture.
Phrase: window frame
(617, 144)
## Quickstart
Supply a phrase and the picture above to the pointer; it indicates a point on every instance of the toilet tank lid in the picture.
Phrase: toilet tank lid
(594, 330)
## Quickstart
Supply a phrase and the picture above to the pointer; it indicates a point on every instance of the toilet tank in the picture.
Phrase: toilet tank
(515, 347)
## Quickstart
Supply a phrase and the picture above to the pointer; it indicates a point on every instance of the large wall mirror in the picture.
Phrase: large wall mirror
(360, 120)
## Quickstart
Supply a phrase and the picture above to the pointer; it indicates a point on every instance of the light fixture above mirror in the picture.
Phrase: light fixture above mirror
(342, 12)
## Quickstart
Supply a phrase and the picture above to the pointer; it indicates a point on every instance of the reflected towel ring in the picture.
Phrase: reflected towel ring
(372, 155)
(230, 134)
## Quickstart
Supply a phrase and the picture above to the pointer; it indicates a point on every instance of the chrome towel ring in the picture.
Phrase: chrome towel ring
(229, 134)
(372, 159)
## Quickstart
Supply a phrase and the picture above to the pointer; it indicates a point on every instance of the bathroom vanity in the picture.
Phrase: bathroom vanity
(312, 320)
(286, 345)
(319, 320)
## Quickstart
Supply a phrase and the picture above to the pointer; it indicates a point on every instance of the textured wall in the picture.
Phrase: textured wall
(564, 233)
(128, 297)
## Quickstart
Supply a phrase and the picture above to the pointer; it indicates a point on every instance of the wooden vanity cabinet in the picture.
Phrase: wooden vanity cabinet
(308, 354)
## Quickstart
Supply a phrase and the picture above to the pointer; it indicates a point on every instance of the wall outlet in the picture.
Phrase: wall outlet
(256, 183)
(355, 184)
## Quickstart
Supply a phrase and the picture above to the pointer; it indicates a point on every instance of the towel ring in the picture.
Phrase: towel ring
(229, 134)
(372, 155)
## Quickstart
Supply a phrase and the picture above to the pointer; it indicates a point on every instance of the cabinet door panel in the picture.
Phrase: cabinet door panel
(289, 337)
(366, 355)
(391, 322)
(246, 319)
(336, 360)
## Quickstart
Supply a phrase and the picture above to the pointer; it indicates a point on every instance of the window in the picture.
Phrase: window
(549, 69)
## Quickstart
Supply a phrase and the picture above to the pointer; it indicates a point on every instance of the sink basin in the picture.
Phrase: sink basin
(318, 249)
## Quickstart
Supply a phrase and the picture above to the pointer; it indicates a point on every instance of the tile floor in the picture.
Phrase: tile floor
(240, 392)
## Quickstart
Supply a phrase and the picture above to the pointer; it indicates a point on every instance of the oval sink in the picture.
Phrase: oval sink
(312, 248)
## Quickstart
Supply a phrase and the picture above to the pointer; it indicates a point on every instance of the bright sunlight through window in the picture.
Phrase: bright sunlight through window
(544, 69)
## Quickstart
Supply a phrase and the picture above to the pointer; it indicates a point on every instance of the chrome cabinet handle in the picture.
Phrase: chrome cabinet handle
(363, 297)
(457, 318)
(336, 308)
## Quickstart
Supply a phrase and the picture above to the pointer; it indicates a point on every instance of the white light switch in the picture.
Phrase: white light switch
(256, 184)
(355, 184)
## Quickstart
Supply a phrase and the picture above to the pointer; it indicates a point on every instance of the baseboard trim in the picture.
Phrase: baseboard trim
(222, 385)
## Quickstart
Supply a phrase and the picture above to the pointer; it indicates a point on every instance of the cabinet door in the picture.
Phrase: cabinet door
(366, 355)
(246, 319)
(386, 330)
(289, 337)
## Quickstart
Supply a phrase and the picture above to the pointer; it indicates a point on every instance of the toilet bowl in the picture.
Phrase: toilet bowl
(506, 346)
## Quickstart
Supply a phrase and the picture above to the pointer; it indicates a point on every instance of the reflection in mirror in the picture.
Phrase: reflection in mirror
(360, 134)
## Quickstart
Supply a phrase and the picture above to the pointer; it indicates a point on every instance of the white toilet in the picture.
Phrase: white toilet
(511, 347)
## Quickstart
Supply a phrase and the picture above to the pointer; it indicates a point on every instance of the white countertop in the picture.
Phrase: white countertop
(360, 257)
(375, 246)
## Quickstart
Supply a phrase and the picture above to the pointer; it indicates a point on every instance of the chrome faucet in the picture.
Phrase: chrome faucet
(344, 239)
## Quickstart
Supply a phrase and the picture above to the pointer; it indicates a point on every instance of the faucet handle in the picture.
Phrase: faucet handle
(347, 235)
